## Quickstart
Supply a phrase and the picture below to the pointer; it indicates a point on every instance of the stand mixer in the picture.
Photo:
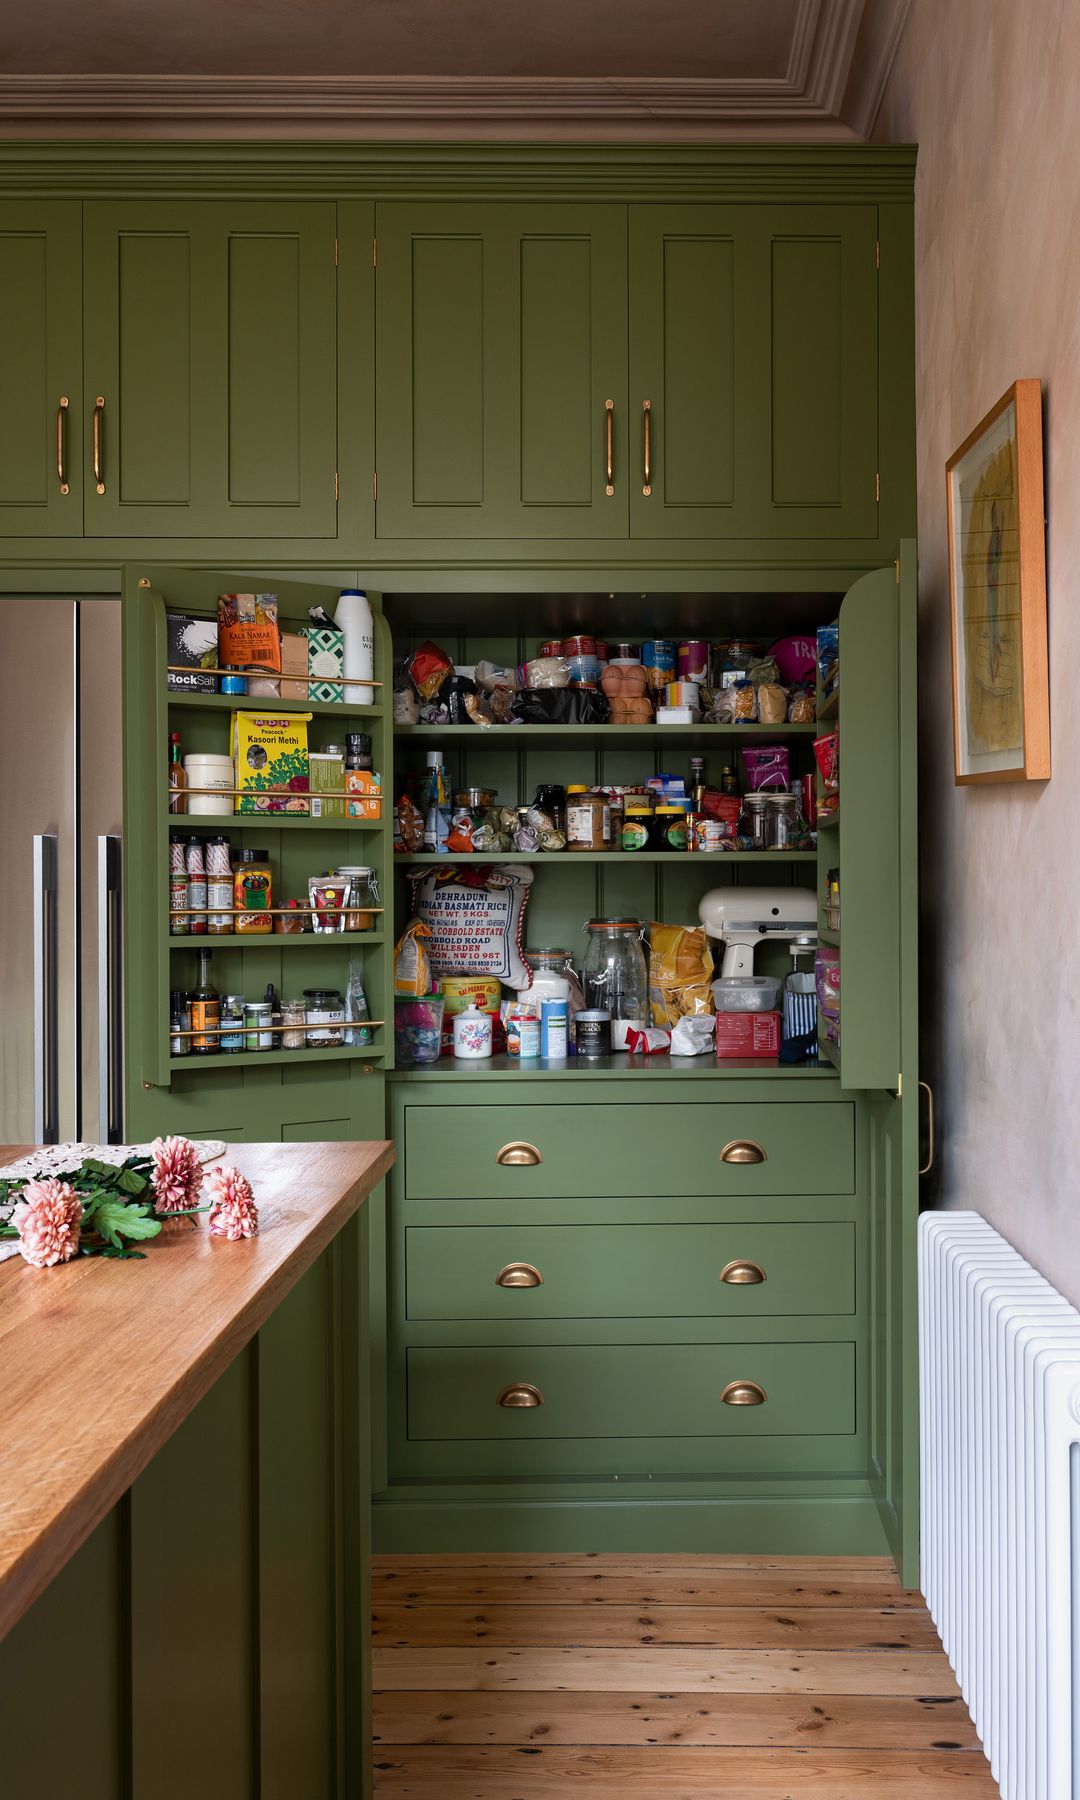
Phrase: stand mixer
(745, 916)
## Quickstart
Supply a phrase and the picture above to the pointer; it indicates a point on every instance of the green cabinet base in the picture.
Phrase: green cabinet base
(842, 1522)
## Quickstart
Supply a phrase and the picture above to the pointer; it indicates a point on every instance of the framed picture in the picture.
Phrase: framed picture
(997, 594)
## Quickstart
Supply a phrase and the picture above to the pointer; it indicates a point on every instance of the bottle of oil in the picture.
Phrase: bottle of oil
(177, 776)
(205, 1011)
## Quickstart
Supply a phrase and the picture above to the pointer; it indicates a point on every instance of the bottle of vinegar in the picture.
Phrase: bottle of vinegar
(205, 1011)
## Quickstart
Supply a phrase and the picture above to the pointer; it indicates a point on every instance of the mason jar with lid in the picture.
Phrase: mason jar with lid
(781, 821)
(588, 819)
(325, 1010)
(614, 976)
(361, 895)
(752, 822)
(258, 1021)
(293, 1024)
(550, 978)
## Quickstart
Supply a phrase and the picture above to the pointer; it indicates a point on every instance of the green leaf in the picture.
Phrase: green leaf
(131, 1183)
(117, 1253)
(114, 1219)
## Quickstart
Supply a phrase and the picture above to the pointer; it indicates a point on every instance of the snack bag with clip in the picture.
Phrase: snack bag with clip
(680, 971)
(412, 965)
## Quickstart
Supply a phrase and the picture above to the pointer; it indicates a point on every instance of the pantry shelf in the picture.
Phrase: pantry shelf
(614, 736)
(625, 857)
(829, 937)
(274, 940)
(452, 1068)
(829, 707)
(268, 1059)
(336, 709)
(205, 822)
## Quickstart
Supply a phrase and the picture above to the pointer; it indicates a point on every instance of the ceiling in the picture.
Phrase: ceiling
(539, 68)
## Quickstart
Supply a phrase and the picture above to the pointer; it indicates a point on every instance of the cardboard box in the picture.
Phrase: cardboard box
(365, 790)
(193, 644)
(325, 662)
(753, 1035)
(271, 757)
(294, 662)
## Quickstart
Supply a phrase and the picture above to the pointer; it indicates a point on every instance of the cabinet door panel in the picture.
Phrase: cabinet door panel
(210, 336)
(753, 335)
(501, 333)
(40, 256)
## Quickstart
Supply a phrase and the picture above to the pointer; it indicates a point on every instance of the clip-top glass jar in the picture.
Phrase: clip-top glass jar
(362, 894)
(614, 975)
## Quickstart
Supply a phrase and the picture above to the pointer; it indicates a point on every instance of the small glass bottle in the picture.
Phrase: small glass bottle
(697, 783)
(205, 1011)
(729, 780)
(294, 1021)
(177, 776)
(232, 1023)
(357, 1030)
(179, 1023)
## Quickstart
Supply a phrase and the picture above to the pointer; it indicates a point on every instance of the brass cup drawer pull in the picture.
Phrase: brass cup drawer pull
(518, 1155)
(519, 1275)
(743, 1150)
(744, 1393)
(743, 1274)
(521, 1393)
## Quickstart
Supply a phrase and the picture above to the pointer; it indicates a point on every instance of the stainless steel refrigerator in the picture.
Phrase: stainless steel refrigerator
(61, 964)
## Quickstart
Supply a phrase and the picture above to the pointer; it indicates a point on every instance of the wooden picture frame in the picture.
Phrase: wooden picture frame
(997, 594)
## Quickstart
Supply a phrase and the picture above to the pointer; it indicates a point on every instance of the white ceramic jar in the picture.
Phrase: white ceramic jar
(472, 1033)
(216, 774)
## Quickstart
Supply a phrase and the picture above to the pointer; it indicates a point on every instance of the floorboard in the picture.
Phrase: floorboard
(523, 1677)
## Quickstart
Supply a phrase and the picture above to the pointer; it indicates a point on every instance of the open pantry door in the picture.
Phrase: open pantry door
(314, 1081)
(868, 852)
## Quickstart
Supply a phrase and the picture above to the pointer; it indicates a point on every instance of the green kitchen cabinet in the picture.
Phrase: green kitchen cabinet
(754, 371)
(40, 327)
(210, 355)
(501, 371)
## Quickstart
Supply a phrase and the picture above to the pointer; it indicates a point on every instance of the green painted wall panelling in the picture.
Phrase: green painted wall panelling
(500, 334)
(209, 1624)
(267, 1095)
(40, 327)
(210, 337)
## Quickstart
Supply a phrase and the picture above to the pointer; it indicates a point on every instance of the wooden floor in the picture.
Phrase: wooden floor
(527, 1677)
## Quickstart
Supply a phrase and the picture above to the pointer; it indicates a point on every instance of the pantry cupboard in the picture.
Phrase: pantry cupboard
(441, 328)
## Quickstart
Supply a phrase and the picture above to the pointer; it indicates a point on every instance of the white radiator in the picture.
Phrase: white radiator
(1000, 1427)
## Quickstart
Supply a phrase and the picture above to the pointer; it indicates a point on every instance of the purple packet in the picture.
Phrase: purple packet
(767, 766)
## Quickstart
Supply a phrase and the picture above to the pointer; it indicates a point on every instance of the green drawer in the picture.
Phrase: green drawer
(618, 1150)
(628, 1271)
(629, 1390)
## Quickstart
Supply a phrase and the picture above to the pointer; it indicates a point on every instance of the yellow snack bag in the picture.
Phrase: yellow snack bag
(412, 964)
(270, 754)
(680, 970)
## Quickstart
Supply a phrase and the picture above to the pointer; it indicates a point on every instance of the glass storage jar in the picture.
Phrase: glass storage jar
(362, 894)
(614, 975)
(293, 1025)
(325, 1018)
(752, 823)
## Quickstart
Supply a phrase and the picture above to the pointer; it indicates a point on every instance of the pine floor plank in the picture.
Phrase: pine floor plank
(689, 1670)
(765, 1721)
(737, 1628)
(424, 1773)
(438, 1584)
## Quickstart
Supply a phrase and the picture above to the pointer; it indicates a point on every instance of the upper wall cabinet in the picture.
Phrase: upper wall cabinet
(210, 362)
(501, 371)
(753, 371)
(40, 326)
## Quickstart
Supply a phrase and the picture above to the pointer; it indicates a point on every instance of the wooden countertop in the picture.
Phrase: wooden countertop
(101, 1361)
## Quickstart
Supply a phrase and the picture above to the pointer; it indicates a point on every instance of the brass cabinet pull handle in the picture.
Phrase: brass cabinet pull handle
(519, 1275)
(99, 408)
(520, 1393)
(518, 1155)
(743, 1150)
(931, 1133)
(646, 460)
(61, 458)
(609, 447)
(744, 1393)
(743, 1274)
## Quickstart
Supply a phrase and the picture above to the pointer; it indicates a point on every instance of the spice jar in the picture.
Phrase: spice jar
(291, 918)
(258, 1019)
(219, 886)
(588, 819)
(195, 864)
(293, 1023)
(362, 893)
(325, 1015)
(179, 921)
(252, 891)
(232, 1023)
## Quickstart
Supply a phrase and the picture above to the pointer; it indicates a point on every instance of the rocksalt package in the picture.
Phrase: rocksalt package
(192, 654)
(476, 918)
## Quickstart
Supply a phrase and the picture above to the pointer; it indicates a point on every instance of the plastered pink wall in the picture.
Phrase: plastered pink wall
(990, 91)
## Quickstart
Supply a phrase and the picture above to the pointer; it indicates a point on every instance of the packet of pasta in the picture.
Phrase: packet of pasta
(680, 970)
(412, 964)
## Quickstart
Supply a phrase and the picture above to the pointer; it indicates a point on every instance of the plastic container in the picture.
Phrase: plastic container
(353, 618)
(215, 773)
(554, 1030)
(418, 1023)
(746, 993)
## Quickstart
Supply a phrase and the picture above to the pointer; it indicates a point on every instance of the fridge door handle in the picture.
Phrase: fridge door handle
(46, 995)
(110, 990)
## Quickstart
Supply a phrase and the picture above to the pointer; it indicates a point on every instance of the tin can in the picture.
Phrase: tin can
(684, 693)
(528, 1036)
(233, 680)
(578, 646)
(659, 659)
(693, 660)
(553, 647)
(553, 1030)
(592, 1033)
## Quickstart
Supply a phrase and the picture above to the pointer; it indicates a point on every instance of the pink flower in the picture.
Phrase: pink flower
(233, 1213)
(47, 1220)
(177, 1175)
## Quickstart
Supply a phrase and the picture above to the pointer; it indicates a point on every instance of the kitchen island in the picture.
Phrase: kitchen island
(184, 1502)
